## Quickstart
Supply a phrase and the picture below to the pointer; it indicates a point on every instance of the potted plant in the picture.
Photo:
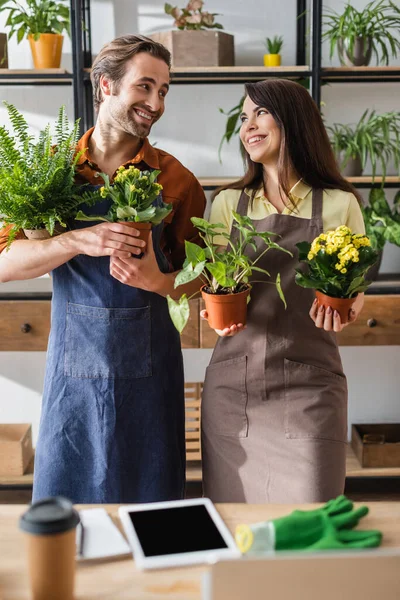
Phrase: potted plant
(37, 191)
(359, 34)
(382, 224)
(337, 262)
(199, 41)
(132, 196)
(42, 22)
(375, 137)
(224, 273)
(3, 51)
(274, 46)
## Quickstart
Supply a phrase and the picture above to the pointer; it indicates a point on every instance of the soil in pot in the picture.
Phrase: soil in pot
(342, 305)
(225, 310)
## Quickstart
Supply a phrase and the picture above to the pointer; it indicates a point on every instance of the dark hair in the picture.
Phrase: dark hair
(112, 58)
(305, 145)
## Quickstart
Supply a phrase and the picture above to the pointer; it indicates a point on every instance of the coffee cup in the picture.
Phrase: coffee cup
(50, 528)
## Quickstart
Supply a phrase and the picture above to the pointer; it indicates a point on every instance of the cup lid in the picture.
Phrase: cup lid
(50, 516)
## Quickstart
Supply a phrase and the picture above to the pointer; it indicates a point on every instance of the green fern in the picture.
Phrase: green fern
(37, 187)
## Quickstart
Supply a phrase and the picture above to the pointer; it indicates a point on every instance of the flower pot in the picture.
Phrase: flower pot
(353, 167)
(46, 51)
(198, 48)
(342, 305)
(144, 229)
(225, 310)
(272, 60)
(3, 51)
(361, 54)
(43, 234)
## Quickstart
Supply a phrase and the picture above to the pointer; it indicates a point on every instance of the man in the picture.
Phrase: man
(112, 422)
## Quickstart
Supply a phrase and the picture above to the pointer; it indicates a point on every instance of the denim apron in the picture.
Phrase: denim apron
(112, 422)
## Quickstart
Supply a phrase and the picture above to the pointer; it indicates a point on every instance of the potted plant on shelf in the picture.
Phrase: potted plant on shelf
(337, 262)
(131, 199)
(37, 191)
(199, 41)
(382, 224)
(224, 273)
(359, 34)
(42, 22)
(274, 46)
(374, 137)
(3, 51)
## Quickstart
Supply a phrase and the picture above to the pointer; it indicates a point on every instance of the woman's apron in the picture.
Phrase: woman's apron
(274, 408)
(112, 422)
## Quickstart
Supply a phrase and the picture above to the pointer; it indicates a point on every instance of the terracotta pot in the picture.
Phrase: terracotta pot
(342, 305)
(46, 51)
(361, 55)
(225, 310)
(144, 229)
(272, 60)
(43, 234)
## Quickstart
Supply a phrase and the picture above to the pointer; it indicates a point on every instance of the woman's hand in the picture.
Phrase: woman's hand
(228, 331)
(330, 320)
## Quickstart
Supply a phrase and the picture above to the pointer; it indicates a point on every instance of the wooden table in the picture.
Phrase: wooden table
(120, 580)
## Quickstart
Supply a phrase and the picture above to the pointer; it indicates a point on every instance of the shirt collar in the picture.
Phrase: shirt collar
(298, 192)
(146, 154)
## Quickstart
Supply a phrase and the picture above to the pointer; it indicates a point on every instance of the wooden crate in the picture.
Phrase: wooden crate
(377, 445)
(198, 48)
(15, 448)
(193, 393)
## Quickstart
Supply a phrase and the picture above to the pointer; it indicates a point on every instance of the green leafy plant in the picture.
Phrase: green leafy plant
(36, 178)
(337, 262)
(274, 45)
(222, 271)
(131, 195)
(375, 137)
(39, 16)
(379, 22)
(233, 124)
(192, 17)
(382, 223)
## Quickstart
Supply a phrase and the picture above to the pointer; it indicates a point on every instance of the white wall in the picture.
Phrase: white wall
(191, 129)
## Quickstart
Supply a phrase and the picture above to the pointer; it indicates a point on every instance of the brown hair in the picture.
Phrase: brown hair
(305, 145)
(112, 58)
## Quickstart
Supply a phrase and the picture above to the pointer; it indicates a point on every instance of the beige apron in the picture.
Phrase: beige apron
(274, 408)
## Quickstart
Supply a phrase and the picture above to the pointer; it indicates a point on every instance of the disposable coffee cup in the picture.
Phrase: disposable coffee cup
(50, 526)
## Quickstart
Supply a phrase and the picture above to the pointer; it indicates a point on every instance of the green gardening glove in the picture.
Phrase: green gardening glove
(338, 539)
(301, 529)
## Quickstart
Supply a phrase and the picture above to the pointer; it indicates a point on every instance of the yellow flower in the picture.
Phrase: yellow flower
(103, 192)
(343, 271)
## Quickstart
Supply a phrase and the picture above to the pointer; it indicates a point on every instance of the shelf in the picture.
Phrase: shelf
(354, 469)
(211, 183)
(35, 77)
(235, 74)
(360, 74)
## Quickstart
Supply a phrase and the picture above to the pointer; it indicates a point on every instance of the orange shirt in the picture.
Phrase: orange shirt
(180, 188)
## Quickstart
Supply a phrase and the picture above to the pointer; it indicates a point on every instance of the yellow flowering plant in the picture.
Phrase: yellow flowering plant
(337, 263)
(132, 195)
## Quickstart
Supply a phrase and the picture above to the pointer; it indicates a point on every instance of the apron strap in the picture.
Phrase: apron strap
(242, 209)
(317, 201)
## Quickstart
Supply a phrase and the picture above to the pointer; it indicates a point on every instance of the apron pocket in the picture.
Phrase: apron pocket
(225, 398)
(108, 343)
(315, 403)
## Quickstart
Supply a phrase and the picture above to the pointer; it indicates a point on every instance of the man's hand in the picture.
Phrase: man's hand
(330, 320)
(106, 239)
(143, 273)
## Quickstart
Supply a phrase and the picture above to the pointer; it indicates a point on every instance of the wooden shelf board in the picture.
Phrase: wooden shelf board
(364, 179)
(34, 72)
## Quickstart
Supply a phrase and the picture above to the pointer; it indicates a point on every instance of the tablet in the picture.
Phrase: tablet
(175, 533)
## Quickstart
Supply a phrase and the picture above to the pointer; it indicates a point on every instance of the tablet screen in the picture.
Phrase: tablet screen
(176, 530)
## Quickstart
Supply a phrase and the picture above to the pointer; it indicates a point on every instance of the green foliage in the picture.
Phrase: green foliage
(274, 45)
(39, 16)
(379, 22)
(192, 17)
(375, 137)
(36, 178)
(224, 271)
(131, 195)
(233, 124)
(336, 263)
(382, 223)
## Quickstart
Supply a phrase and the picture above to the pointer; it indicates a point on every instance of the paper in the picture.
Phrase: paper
(101, 538)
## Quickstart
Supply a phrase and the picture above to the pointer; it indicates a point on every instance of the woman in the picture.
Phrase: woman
(274, 409)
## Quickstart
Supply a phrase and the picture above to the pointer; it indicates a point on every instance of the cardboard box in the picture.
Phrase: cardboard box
(377, 445)
(3, 51)
(198, 48)
(16, 450)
